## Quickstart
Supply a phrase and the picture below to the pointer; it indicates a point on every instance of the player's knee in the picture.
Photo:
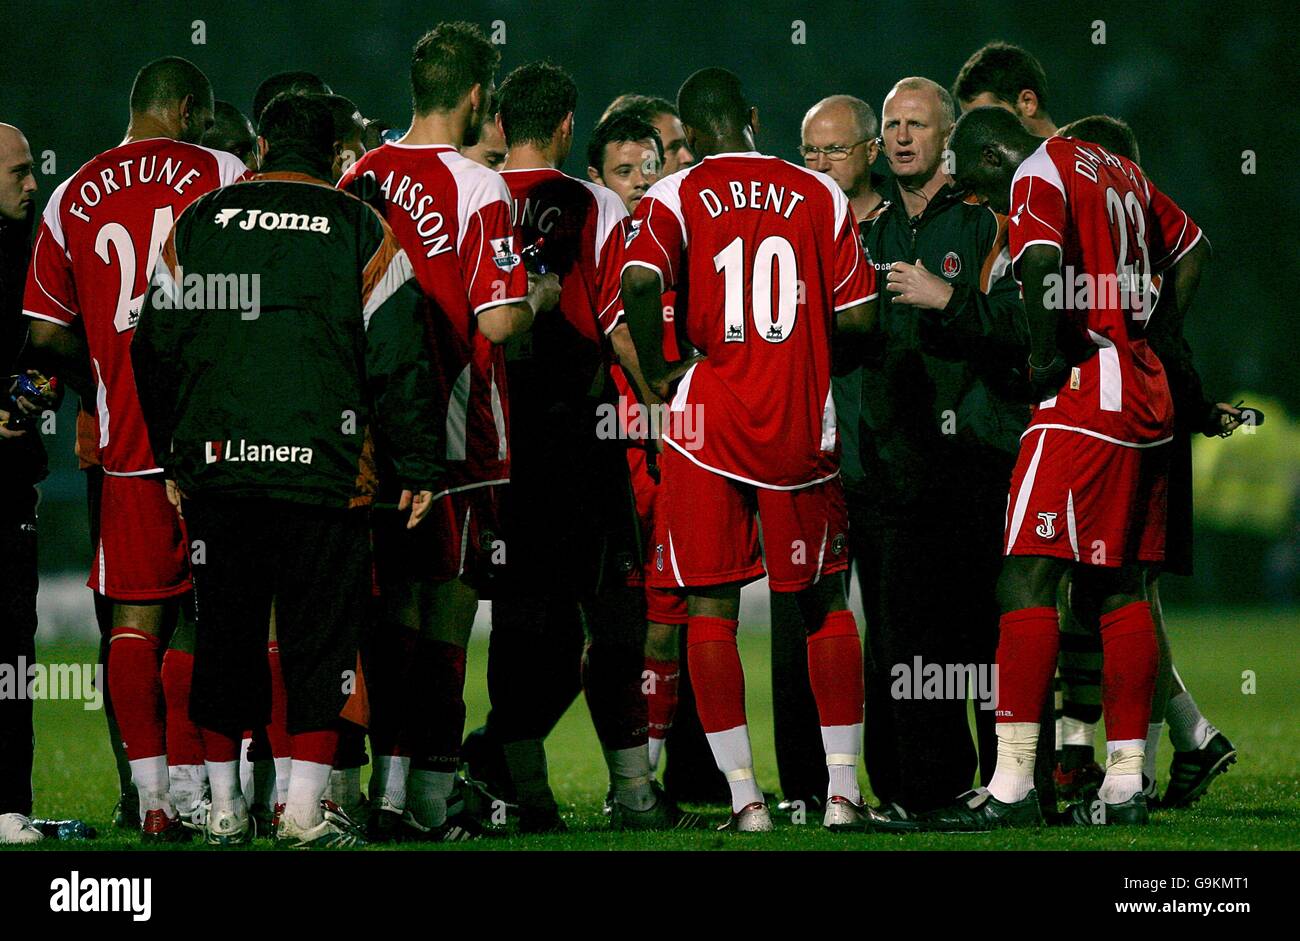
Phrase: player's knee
(1028, 582)
(661, 641)
(1114, 588)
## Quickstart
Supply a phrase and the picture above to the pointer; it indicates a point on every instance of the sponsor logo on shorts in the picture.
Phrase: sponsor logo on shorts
(1047, 525)
(659, 557)
(505, 257)
(951, 266)
(242, 451)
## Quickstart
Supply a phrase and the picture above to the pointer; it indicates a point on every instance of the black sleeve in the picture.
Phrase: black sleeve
(987, 329)
(156, 346)
(399, 371)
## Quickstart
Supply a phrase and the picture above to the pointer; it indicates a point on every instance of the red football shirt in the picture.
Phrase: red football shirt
(580, 227)
(771, 252)
(1115, 231)
(94, 253)
(452, 217)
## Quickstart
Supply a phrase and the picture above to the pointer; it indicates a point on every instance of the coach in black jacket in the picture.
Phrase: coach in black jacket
(938, 442)
(283, 325)
(22, 465)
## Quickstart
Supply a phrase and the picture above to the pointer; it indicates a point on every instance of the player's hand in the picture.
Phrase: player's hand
(543, 291)
(1223, 420)
(916, 286)
(174, 497)
(51, 400)
(662, 386)
(5, 430)
(419, 503)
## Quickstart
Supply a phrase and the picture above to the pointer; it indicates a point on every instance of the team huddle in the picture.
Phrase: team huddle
(345, 382)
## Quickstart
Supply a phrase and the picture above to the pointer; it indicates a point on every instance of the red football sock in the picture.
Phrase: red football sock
(611, 681)
(277, 730)
(184, 744)
(219, 747)
(661, 700)
(835, 669)
(318, 747)
(1129, 660)
(135, 685)
(716, 674)
(437, 725)
(1028, 642)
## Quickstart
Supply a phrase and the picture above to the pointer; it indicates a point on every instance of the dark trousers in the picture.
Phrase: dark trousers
(929, 578)
(691, 773)
(17, 648)
(315, 563)
(800, 756)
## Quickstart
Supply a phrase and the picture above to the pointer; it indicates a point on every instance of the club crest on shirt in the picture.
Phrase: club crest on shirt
(1046, 528)
(505, 257)
(951, 266)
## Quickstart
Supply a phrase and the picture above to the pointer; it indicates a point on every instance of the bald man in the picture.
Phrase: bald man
(838, 137)
(938, 440)
(22, 464)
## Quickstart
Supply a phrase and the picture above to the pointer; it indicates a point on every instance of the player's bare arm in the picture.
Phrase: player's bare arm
(56, 350)
(501, 323)
(854, 328)
(1224, 419)
(620, 338)
(644, 310)
(1038, 264)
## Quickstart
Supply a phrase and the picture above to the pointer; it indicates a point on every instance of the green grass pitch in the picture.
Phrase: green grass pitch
(1256, 805)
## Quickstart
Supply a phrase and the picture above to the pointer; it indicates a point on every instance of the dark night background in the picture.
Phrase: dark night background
(1199, 82)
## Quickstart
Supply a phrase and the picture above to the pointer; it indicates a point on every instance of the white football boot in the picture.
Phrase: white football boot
(752, 818)
(17, 829)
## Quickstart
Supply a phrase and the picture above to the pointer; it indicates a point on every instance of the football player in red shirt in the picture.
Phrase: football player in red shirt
(572, 530)
(452, 217)
(624, 154)
(663, 115)
(1201, 751)
(489, 150)
(775, 266)
(1089, 489)
(100, 234)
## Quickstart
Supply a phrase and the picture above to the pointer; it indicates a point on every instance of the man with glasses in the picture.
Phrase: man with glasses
(838, 138)
(938, 438)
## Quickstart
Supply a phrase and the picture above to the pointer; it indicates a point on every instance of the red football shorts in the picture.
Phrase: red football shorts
(457, 539)
(711, 525)
(663, 606)
(141, 556)
(1078, 497)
